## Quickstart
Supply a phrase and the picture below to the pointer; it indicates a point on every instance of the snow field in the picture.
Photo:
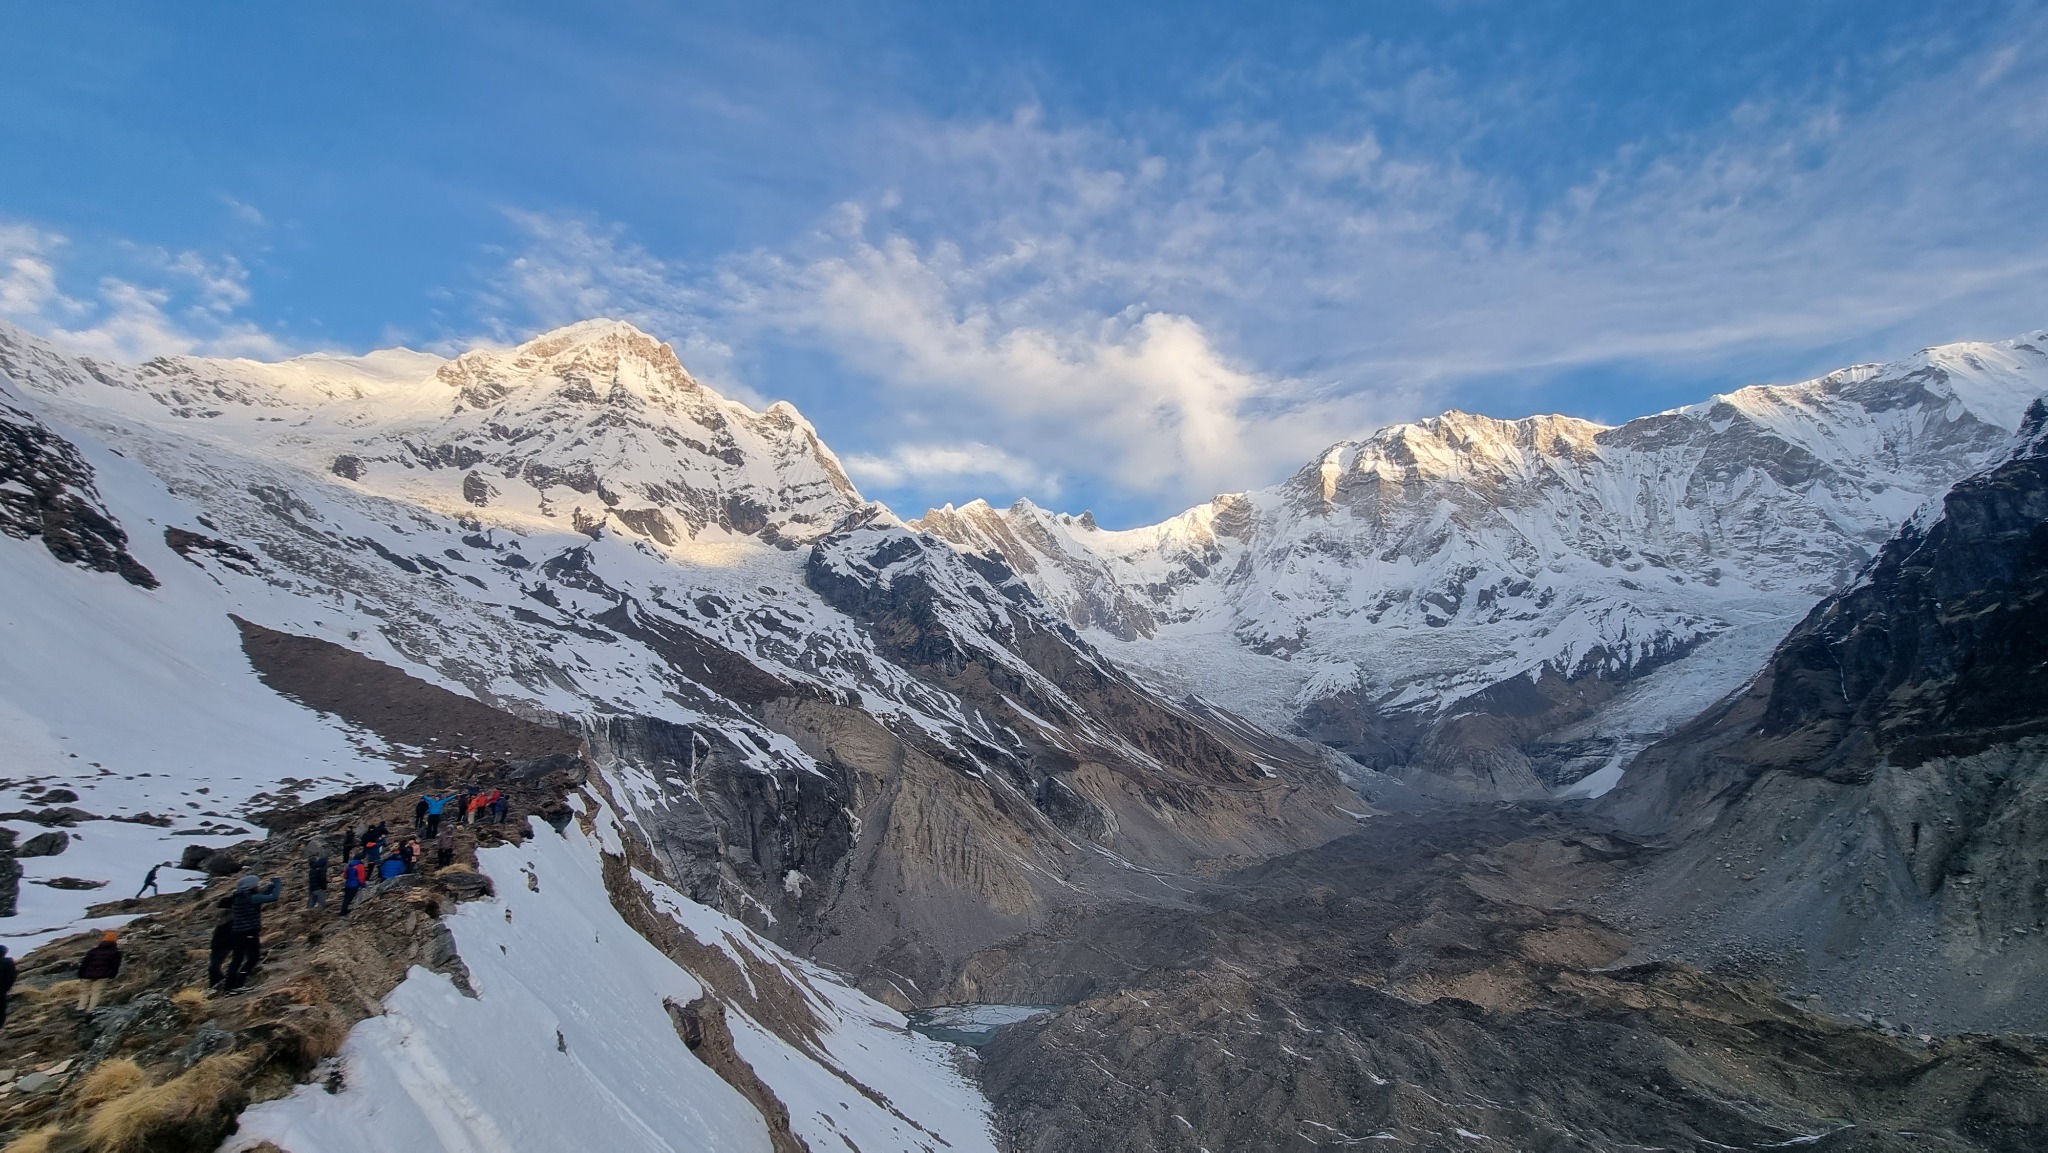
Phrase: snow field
(442, 1071)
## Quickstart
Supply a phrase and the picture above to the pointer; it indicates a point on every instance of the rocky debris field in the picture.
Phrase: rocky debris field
(1435, 982)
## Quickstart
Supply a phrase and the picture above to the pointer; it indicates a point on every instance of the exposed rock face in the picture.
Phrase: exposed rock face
(1867, 812)
(391, 703)
(10, 874)
(46, 490)
(1496, 608)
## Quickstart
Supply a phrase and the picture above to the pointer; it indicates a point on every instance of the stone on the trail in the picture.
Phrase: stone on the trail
(35, 1083)
(59, 797)
(207, 1040)
(44, 845)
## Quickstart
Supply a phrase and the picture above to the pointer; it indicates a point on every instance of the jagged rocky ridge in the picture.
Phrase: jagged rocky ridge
(872, 747)
(1864, 817)
(1503, 608)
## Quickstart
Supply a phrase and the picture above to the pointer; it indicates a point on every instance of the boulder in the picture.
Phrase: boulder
(44, 845)
(464, 884)
(214, 861)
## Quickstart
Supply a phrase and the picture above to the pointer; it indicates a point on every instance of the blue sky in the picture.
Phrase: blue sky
(1108, 256)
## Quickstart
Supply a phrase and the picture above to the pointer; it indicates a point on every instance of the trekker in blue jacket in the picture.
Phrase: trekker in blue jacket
(354, 876)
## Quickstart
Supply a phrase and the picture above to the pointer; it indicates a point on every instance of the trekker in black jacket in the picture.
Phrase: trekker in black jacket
(6, 983)
(316, 883)
(223, 943)
(101, 965)
(246, 929)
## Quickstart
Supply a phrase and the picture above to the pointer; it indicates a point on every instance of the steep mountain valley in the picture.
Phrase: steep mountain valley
(1531, 785)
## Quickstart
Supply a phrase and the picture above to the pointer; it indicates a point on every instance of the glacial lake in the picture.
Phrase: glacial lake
(971, 1025)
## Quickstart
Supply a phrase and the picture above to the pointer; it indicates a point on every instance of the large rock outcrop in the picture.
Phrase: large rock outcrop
(1866, 816)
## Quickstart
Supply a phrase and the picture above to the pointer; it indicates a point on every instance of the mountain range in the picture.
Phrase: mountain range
(1496, 608)
(1789, 632)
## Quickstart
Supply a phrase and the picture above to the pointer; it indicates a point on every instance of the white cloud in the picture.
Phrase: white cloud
(28, 279)
(165, 303)
(247, 213)
(923, 463)
(1179, 315)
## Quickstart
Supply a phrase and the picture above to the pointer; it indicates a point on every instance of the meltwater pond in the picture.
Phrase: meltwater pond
(971, 1025)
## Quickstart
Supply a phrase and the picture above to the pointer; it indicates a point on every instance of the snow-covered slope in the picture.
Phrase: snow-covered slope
(1623, 576)
(133, 695)
(569, 1042)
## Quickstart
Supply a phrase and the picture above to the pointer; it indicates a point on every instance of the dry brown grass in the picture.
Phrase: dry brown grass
(65, 990)
(36, 1142)
(191, 999)
(189, 1101)
(458, 867)
(108, 1080)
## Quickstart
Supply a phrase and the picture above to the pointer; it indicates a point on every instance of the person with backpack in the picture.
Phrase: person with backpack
(6, 983)
(499, 804)
(247, 929)
(101, 965)
(316, 882)
(419, 813)
(444, 848)
(354, 876)
(373, 854)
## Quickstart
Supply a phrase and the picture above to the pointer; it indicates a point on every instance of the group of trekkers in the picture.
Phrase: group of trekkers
(473, 806)
(372, 860)
(373, 857)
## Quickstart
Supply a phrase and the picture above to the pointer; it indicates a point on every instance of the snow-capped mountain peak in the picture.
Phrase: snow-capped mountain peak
(590, 426)
(1417, 572)
(592, 360)
(1455, 447)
